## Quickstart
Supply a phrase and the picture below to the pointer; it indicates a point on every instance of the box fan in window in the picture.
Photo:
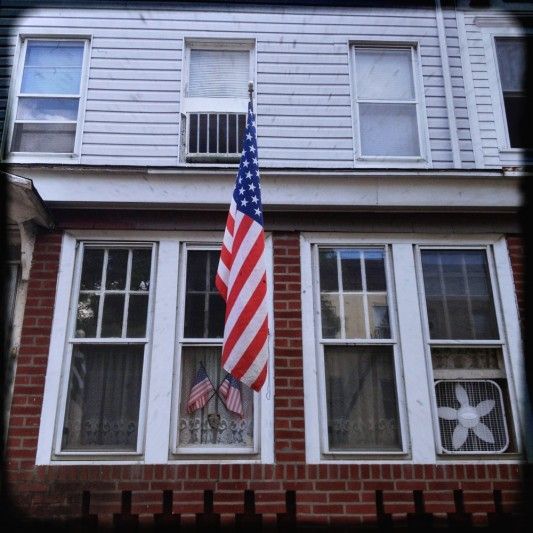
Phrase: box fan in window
(471, 416)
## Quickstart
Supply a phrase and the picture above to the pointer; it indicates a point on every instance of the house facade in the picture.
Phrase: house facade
(391, 149)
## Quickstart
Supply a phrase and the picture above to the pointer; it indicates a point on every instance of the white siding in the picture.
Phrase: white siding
(303, 80)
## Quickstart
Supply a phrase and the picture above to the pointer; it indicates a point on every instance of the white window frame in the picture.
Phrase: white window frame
(212, 104)
(424, 159)
(499, 343)
(182, 342)
(492, 28)
(155, 440)
(416, 387)
(14, 95)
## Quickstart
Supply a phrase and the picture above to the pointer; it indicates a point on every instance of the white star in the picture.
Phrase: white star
(255, 199)
(243, 152)
(252, 149)
(240, 179)
(254, 160)
(249, 136)
(241, 191)
(249, 175)
(251, 187)
(253, 124)
(245, 163)
(257, 211)
(244, 202)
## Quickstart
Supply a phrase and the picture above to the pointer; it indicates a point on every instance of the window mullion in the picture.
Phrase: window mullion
(127, 294)
(102, 293)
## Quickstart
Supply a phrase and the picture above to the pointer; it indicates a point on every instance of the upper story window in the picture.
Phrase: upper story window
(215, 100)
(511, 59)
(387, 103)
(48, 97)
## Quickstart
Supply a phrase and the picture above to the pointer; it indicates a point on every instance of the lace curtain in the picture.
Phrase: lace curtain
(103, 397)
(361, 398)
(213, 425)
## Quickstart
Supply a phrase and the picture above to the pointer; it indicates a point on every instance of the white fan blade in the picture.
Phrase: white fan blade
(460, 433)
(485, 407)
(484, 433)
(461, 395)
(448, 413)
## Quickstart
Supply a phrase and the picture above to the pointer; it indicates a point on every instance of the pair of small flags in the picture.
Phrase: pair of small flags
(202, 390)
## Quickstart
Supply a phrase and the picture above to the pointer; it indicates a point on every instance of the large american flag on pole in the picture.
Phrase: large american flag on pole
(241, 274)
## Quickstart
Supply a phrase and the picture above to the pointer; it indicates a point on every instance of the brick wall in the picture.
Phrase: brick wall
(325, 493)
(515, 245)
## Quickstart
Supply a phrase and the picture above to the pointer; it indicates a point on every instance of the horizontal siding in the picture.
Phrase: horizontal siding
(484, 93)
(302, 85)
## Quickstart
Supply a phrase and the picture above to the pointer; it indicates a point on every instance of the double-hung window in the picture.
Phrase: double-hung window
(387, 108)
(108, 350)
(357, 347)
(473, 411)
(416, 352)
(218, 425)
(215, 100)
(134, 371)
(48, 97)
(511, 59)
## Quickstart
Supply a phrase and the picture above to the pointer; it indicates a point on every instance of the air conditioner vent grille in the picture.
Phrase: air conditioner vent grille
(471, 417)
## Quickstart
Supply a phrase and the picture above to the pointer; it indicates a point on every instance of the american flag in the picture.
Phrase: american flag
(200, 391)
(241, 274)
(230, 392)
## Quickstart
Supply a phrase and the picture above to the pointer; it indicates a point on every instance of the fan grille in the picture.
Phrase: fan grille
(477, 392)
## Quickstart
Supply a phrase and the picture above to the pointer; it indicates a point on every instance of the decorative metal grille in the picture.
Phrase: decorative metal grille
(215, 135)
(471, 417)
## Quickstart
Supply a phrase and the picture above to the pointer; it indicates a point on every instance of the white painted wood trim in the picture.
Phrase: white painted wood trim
(470, 95)
(418, 396)
(312, 432)
(513, 337)
(57, 348)
(454, 139)
(162, 353)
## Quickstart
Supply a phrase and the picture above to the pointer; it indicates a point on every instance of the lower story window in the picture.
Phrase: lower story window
(215, 412)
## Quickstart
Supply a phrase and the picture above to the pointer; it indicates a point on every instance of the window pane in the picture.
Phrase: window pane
(468, 359)
(389, 130)
(141, 265)
(384, 74)
(517, 122)
(328, 270)
(53, 109)
(204, 308)
(87, 315)
(193, 133)
(351, 270)
(361, 399)
(222, 133)
(52, 138)
(52, 67)
(378, 314)
(112, 315)
(354, 315)
(213, 425)
(459, 301)
(117, 266)
(91, 274)
(103, 398)
(330, 311)
(212, 130)
(511, 55)
(137, 312)
(219, 73)
(375, 270)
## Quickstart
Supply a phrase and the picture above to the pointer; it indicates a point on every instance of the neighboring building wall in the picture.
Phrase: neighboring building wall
(324, 493)
(303, 76)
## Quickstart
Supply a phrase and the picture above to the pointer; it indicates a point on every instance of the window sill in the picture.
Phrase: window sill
(392, 162)
(38, 157)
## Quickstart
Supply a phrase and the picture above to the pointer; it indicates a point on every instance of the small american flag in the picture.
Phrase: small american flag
(230, 392)
(200, 391)
(241, 274)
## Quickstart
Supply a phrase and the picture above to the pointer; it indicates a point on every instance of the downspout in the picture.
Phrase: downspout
(448, 92)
